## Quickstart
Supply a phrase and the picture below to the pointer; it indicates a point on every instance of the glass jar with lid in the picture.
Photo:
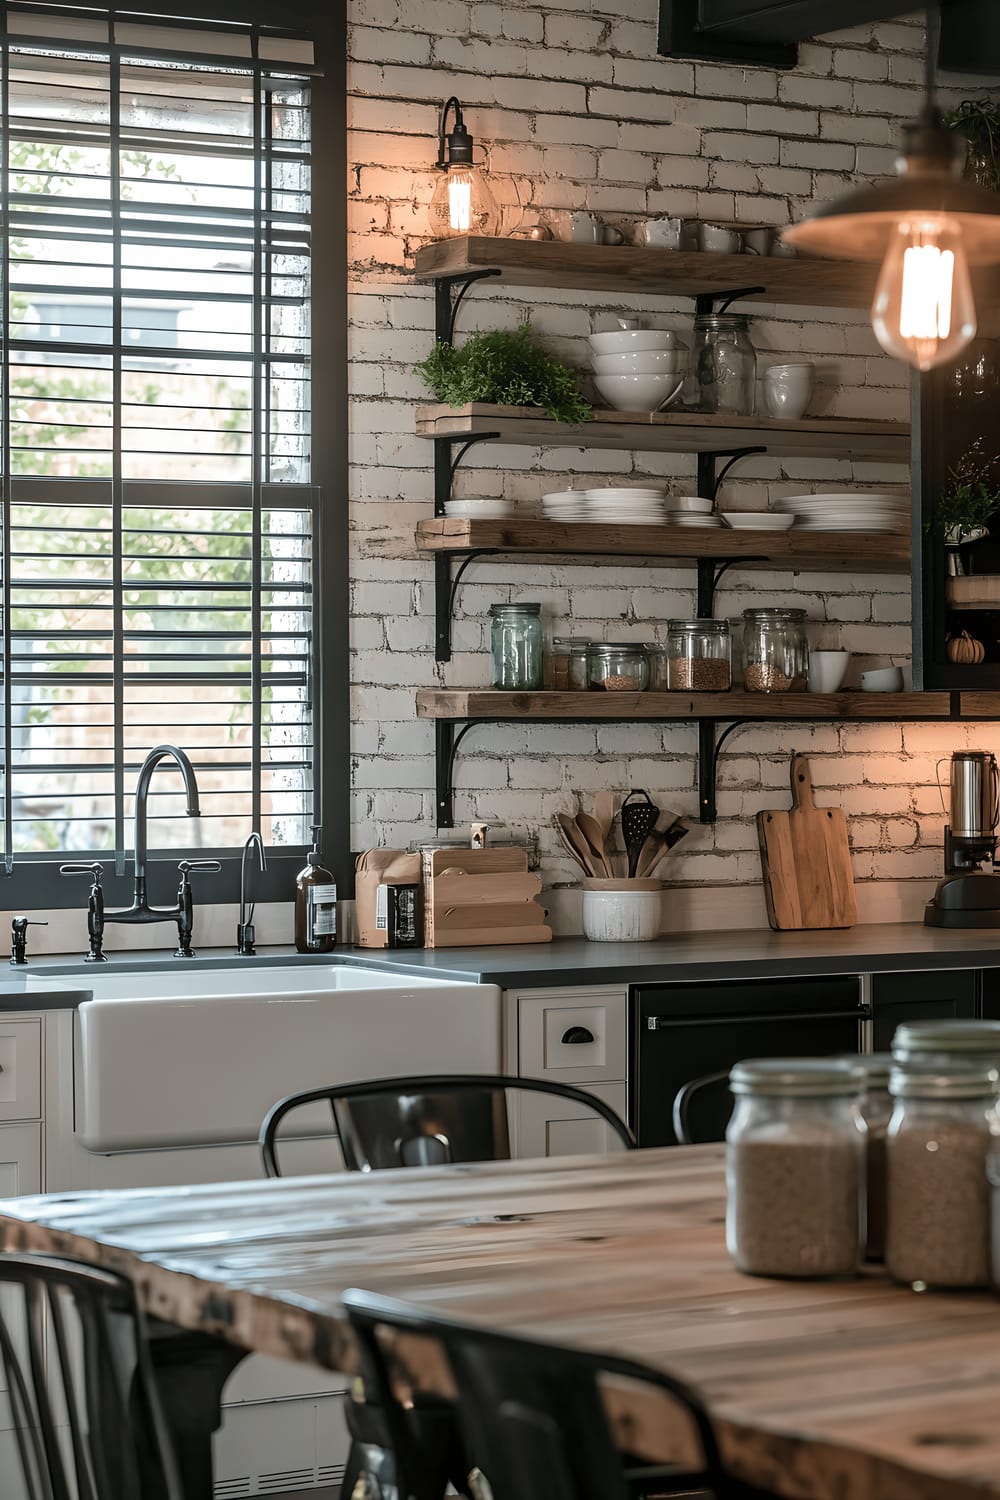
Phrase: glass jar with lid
(775, 650)
(656, 655)
(566, 662)
(722, 370)
(927, 1044)
(516, 646)
(622, 668)
(795, 1158)
(937, 1148)
(699, 656)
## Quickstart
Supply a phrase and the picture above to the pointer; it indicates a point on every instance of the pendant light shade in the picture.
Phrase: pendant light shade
(927, 227)
(462, 202)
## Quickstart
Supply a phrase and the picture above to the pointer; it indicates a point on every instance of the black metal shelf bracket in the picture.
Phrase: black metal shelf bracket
(709, 748)
(704, 302)
(449, 292)
(445, 590)
(448, 735)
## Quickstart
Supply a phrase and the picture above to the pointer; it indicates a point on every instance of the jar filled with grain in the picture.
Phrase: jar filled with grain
(620, 668)
(876, 1105)
(775, 650)
(938, 1212)
(926, 1044)
(566, 664)
(699, 656)
(795, 1162)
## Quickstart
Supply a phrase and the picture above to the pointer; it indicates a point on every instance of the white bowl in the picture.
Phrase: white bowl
(639, 392)
(622, 916)
(756, 520)
(827, 670)
(698, 503)
(649, 362)
(882, 680)
(634, 340)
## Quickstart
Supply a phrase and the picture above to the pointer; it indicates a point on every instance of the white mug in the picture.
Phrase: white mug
(757, 241)
(664, 234)
(719, 239)
(788, 390)
(611, 235)
(585, 228)
(827, 670)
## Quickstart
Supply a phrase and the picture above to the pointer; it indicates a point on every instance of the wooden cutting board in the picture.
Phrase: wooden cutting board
(806, 861)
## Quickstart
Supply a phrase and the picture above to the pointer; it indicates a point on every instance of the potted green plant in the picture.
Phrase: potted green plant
(965, 507)
(978, 120)
(504, 368)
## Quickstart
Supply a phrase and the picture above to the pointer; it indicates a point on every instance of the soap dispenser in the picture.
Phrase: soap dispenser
(315, 905)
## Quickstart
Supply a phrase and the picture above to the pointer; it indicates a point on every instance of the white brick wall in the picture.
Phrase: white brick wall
(580, 112)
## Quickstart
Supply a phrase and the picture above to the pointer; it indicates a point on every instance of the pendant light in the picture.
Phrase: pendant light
(462, 202)
(927, 228)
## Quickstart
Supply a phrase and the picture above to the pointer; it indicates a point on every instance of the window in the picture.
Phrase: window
(159, 547)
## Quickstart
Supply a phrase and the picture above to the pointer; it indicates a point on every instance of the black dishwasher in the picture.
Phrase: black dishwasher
(685, 1031)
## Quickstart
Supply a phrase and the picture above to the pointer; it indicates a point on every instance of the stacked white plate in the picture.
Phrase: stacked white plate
(757, 520)
(859, 511)
(478, 510)
(691, 518)
(622, 507)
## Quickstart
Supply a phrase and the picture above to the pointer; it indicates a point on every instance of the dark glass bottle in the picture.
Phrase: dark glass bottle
(315, 905)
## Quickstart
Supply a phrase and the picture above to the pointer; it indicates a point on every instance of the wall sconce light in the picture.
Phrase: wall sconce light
(927, 227)
(462, 202)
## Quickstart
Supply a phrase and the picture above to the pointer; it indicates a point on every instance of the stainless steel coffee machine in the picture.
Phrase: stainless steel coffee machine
(969, 896)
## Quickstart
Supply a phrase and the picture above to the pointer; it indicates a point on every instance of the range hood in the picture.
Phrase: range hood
(767, 32)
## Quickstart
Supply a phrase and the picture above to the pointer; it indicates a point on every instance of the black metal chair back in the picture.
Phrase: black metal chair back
(86, 1417)
(531, 1415)
(685, 1130)
(425, 1121)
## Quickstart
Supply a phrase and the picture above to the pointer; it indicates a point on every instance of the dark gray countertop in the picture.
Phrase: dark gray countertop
(753, 954)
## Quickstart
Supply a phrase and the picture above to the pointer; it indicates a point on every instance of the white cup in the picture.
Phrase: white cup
(757, 241)
(827, 670)
(664, 233)
(719, 239)
(882, 680)
(788, 390)
(585, 228)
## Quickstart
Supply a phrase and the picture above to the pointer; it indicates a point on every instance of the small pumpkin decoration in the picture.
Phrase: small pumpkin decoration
(964, 648)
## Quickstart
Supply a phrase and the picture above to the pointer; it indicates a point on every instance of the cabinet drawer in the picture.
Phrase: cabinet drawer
(560, 1127)
(20, 1070)
(20, 1160)
(576, 1038)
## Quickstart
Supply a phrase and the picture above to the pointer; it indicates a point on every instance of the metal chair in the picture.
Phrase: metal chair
(530, 1415)
(86, 1416)
(686, 1136)
(425, 1121)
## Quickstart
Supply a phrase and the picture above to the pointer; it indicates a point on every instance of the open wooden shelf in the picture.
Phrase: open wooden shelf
(653, 544)
(672, 432)
(634, 268)
(489, 703)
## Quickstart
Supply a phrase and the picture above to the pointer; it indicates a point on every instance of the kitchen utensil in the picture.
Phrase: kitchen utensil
(661, 233)
(756, 520)
(638, 821)
(659, 844)
(591, 830)
(827, 670)
(640, 392)
(720, 239)
(634, 340)
(619, 911)
(968, 896)
(788, 390)
(806, 861)
(578, 845)
(604, 812)
(642, 362)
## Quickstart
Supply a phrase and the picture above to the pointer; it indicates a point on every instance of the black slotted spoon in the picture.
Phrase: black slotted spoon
(638, 822)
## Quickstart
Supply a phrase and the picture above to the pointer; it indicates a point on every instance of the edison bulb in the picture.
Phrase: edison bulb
(924, 311)
(462, 203)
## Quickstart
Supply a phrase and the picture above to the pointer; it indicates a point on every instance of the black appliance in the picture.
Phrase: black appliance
(684, 1031)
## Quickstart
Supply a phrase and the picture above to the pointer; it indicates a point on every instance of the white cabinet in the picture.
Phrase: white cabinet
(20, 1160)
(549, 1126)
(20, 1069)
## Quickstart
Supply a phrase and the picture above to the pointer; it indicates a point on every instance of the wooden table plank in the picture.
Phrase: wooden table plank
(822, 1390)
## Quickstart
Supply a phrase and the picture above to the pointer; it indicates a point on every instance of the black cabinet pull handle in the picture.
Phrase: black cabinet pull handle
(577, 1034)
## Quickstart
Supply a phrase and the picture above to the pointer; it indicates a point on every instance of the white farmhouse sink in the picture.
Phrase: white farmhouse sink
(197, 1058)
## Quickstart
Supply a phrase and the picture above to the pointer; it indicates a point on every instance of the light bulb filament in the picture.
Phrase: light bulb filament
(925, 310)
(459, 201)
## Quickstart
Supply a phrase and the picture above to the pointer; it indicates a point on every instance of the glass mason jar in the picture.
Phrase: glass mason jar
(722, 372)
(938, 1212)
(516, 645)
(699, 656)
(620, 668)
(930, 1044)
(566, 664)
(795, 1158)
(876, 1106)
(775, 650)
(656, 655)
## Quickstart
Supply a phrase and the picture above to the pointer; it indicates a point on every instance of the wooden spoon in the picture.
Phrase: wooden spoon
(577, 843)
(650, 855)
(604, 812)
(591, 830)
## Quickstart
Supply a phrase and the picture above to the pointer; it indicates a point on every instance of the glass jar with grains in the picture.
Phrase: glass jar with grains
(775, 650)
(795, 1159)
(617, 668)
(516, 646)
(566, 664)
(938, 1217)
(876, 1106)
(922, 1044)
(699, 656)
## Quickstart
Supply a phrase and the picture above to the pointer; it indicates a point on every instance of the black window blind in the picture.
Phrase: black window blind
(158, 514)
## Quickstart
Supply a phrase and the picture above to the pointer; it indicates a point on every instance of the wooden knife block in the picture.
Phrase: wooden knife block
(479, 896)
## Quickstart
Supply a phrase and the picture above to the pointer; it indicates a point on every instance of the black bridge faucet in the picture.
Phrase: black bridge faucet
(140, 911)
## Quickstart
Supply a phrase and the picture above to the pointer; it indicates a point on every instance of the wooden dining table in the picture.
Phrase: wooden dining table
(854, 1390)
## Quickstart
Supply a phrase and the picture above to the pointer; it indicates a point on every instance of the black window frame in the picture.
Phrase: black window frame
(34, 882)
